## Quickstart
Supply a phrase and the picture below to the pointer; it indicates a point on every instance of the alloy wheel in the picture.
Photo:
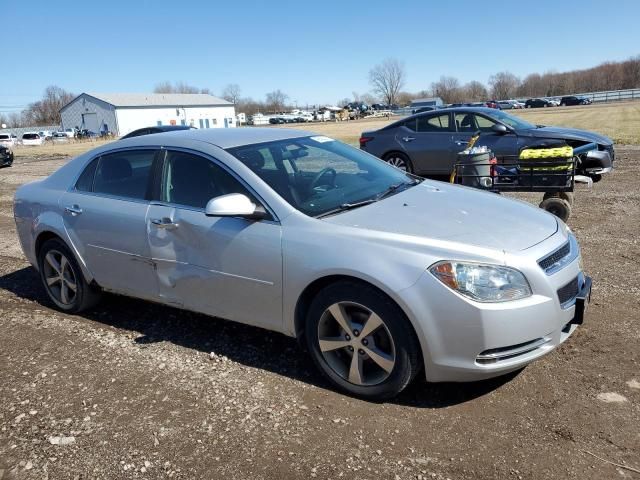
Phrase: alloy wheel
(398, 162)
(356, 343)
(60, 277)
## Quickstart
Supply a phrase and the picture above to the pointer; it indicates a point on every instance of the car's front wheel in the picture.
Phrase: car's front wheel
(362, 341)
(399, 160)
(62, 278)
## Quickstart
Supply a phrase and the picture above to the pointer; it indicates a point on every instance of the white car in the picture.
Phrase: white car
(32, 139)
(8, 139)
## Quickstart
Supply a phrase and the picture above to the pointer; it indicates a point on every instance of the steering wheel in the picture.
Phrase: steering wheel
(316, 180)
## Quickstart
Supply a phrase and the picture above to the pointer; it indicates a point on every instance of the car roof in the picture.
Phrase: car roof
(224, 137)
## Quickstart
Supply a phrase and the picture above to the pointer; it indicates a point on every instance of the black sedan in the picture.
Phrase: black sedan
(537, 103)
(428, 143)
(574, 100)
(6, 156)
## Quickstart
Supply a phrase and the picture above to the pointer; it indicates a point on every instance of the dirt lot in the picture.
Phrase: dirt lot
(135, 390)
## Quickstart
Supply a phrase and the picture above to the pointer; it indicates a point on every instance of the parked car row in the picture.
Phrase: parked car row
(40, 137)
(555, 102)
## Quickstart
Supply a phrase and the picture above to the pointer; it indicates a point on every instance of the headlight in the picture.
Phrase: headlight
(482, 283)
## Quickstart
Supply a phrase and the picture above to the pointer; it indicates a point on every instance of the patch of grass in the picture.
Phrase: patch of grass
(53, 149)
(618, 121)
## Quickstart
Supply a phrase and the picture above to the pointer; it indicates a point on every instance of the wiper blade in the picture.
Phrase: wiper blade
(385, 193)
(347, 206)
(395, 187)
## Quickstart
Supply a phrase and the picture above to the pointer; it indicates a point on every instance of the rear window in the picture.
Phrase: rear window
(30, 136)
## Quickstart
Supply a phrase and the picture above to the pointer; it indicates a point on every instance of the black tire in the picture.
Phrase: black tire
(568, 196)
(85, 295)
(596, 177)
(558, 206)
(393, 158)
(407, 360)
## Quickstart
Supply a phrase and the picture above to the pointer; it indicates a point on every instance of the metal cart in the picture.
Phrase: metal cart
(548, 170)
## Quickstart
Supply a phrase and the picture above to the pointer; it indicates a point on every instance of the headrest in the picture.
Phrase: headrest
(116, 168)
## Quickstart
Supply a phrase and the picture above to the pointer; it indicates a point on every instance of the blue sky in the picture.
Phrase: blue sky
(315, 51)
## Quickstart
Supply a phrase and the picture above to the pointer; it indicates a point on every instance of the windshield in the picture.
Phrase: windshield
(514, 122)
(318, 175)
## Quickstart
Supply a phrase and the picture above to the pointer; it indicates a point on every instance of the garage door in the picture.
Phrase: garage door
(90, 121)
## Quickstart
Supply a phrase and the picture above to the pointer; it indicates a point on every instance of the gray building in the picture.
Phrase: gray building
(427, 102)
(121, 113)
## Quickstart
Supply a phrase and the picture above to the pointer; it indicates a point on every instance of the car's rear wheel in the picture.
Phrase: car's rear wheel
(362, 341)
(63, 279)
(399, 160)
(558, 206)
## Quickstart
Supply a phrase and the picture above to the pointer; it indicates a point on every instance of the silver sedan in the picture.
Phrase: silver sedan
(381, 274)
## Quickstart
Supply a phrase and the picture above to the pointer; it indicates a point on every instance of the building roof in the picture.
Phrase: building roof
(159, 99)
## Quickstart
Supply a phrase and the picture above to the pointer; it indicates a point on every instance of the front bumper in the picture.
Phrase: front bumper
(464, 340)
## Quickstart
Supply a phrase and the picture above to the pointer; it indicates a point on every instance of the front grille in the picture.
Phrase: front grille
(550, 260)
(568, 292)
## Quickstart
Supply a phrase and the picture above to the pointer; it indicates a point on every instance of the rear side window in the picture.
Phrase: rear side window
(85, 182)
(437, 123)
(124, 174)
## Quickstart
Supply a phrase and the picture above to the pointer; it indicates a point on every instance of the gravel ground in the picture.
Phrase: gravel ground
(135, 390)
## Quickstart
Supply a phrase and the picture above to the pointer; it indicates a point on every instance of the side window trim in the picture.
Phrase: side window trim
(218, 163)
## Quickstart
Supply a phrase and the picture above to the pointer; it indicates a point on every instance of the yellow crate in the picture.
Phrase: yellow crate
(539, 153)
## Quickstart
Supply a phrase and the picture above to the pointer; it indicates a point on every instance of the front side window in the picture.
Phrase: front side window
(465, 122)
(318, 175)
(124, 174)
(192, 180)
(484, 124)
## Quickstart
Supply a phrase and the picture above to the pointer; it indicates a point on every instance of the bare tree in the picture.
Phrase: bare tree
(368, 98)
(448, 89)
(387, 79)
(475, 91)
(179, 87)
(275, 101)
(231, 93)
(503, 85)
(47, 110)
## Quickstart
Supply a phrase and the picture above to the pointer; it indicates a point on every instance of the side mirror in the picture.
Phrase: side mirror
(499, 128)
(234, 205)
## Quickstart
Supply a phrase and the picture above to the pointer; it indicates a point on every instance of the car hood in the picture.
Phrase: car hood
(569, 134)
(441, 211)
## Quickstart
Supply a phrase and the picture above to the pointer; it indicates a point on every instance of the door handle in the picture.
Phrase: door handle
(74, 210)
(408, 139)
(462, 142)
(164, 223)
